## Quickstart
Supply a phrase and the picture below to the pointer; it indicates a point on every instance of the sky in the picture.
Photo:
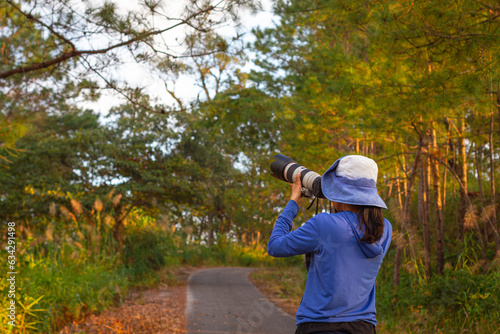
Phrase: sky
(141, 75)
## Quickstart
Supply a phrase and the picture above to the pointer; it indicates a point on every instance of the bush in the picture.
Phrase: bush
(463, 295)
(147, 249)
(62, 286)
(64, 280)
(450, 303)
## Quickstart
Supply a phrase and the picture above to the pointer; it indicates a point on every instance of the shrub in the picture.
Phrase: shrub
(463, 295)
(61, 286)
(147, 249)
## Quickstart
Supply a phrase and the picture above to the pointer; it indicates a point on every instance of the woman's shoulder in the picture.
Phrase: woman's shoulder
(333, 226)
(388, 225)
(333, 220)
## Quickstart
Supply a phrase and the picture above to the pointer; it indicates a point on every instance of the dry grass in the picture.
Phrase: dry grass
(280, 285)
(158, 310)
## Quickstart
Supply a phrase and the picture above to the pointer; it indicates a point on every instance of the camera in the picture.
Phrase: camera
(286, 169)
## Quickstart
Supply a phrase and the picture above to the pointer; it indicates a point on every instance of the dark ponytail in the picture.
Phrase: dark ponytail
(371, 220)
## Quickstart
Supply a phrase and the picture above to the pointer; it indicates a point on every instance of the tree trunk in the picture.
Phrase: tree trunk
(405, 219)
(423, 217)
(210, 228)
(438, 206)
(462, 173)
(448, 147)
(492, 187)
(405, 180)
(498, 109)
(119, 219)
(365, 147)
(470, 220)
(117, 234)
(478, 160)
(427, 186)
(398, 189)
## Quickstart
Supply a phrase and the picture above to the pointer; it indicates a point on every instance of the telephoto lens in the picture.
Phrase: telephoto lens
(286, 169)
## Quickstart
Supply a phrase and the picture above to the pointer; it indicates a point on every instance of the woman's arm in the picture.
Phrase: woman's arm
(303, 240)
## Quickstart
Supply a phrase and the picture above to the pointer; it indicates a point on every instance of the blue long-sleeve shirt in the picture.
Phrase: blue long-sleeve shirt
(341, 281)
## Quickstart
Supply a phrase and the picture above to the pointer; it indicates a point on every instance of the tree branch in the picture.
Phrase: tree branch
(32, 18)
(113, 86)
(76, 53)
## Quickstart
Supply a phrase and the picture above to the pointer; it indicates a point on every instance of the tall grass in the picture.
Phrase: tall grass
(464, 299)
(459, 301)
(455, 302)
(73, 266)
(66, 273)
(61, 283)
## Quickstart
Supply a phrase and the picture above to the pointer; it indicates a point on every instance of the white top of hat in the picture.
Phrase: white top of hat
(356, 167)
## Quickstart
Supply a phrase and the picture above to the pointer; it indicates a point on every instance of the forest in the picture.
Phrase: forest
(94, 203)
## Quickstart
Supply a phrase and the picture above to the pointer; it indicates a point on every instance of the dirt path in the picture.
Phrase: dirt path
(222, 300)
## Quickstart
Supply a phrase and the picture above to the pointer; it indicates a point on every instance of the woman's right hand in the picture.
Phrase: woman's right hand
(297, 189)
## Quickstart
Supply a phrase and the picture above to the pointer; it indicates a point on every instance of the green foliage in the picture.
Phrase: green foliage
(464, 294)
(114, 200)
(450, 303)
(68, 275)
(61, 284)
(146, 250)
(457, 301)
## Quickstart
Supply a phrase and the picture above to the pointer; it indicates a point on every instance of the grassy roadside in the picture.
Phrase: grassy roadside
(70, 277)
(147, 309)
(405, 313)
(284, 286)
(82, 273)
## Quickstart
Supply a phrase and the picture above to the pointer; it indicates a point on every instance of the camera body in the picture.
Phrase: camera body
(286, 169)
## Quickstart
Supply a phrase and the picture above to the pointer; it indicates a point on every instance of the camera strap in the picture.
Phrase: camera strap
(309, 255)
(317, 201)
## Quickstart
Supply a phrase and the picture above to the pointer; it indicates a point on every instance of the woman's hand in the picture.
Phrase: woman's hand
(297, 190)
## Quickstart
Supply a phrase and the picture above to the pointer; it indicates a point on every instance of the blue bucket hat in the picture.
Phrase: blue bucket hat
(352, 180)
